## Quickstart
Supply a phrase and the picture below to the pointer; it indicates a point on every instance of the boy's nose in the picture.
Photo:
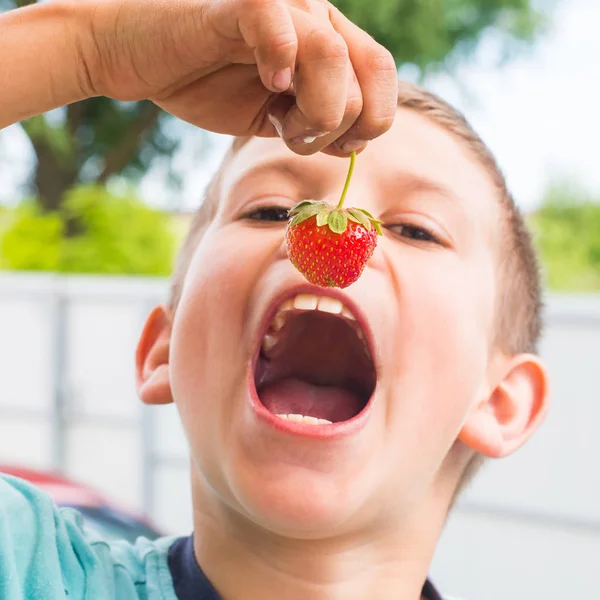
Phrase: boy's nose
(361, 195)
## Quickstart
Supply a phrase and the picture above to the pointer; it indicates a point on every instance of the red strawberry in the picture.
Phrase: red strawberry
(331, 245)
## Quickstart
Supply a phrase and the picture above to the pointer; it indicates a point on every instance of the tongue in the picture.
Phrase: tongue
(293, 396)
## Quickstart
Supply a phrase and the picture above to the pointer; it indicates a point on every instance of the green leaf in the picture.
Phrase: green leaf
(311, 211)
(337, 221)
(298, 207)
(296, 220)
(366, 212)
(352, 217)
(366, 219)
(322, 218)
(361, 218)
(306, 212)
(377, 225)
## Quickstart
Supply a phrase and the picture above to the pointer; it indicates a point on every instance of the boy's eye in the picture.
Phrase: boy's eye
(413, 232)
(269, 213)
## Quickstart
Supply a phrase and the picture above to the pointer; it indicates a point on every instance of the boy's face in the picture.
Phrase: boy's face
(427, 298)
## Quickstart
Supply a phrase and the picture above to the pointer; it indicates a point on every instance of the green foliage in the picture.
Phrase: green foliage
(427, 32)
(567, 230)
(30, 240)
(120, 235)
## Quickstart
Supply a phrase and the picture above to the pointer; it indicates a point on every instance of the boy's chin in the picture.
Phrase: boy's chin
(301, 505)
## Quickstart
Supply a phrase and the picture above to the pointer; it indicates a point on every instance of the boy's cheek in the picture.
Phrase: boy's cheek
(441, 342)
(219, 279)
(233, 256)
(211, 337)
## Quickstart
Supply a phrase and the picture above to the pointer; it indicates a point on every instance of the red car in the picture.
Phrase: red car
(100, 515)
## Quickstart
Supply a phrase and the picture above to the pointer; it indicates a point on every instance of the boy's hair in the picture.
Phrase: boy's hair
(519, 300)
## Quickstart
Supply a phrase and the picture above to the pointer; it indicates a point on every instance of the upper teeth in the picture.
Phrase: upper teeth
(304, 419)
(323, 303)
(305, 302)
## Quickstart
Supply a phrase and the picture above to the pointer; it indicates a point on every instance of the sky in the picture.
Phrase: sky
(539, 114)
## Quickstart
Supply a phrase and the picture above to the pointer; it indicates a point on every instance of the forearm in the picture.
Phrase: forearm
(42, 62)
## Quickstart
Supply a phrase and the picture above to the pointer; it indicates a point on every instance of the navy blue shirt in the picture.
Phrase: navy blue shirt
(191, 583)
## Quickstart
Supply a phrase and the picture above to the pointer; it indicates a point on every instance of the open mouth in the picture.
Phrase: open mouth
(314, 366)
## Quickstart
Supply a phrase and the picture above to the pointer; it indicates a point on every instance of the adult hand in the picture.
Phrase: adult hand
(297, 68)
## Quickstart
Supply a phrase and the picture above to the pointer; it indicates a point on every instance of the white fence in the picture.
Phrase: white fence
(528, 528)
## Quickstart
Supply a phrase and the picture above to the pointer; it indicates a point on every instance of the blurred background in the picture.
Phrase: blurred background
(95, 199)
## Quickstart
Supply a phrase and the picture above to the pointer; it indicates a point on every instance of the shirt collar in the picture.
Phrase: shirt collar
(190, 582)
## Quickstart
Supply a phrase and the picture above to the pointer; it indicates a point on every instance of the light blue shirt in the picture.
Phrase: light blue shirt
(45, 554)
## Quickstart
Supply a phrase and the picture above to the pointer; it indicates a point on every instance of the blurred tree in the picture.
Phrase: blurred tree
(567, 231)
(430, 33)
(91, 141)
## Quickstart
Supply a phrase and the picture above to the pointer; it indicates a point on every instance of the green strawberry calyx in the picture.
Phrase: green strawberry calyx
(334, 217)
(331, 216)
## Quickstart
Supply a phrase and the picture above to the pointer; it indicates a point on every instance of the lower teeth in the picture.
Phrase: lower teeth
(304, 419)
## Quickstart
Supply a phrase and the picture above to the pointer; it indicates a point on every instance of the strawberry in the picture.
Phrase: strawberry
(331, 245)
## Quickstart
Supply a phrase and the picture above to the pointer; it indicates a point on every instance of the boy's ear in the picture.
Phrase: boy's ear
(515, 408)
(152, 359)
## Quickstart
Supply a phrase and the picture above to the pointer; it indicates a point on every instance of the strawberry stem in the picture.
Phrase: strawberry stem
(348, 178)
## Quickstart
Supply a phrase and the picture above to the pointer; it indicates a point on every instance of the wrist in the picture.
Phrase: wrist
(78, 17)
(65, 27)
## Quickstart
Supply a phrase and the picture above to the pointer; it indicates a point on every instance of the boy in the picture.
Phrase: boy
(449, 310)
(329, 430)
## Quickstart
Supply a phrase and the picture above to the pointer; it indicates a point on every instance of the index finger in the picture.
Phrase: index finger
(321, 82)
(267, 27)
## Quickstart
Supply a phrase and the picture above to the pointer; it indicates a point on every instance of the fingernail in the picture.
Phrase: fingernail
(282, 80)
(276, 123)
(353, 145)
(308, 138)
(302, 139)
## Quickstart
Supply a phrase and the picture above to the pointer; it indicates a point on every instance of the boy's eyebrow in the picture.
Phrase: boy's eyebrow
(285, 164)
(411, 183)
(282, 165)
